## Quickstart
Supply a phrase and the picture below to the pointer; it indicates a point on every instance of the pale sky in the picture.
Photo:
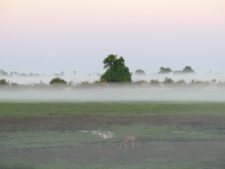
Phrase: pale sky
(54, 35)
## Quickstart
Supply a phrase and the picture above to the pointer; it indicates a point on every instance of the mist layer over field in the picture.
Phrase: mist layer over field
(114, 94)
(28, 80)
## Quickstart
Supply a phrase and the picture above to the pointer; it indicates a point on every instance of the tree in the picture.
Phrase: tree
(58, 81)
(140, 72)
(116, 70)
(109, 61)
(164, 70)
(188, 69)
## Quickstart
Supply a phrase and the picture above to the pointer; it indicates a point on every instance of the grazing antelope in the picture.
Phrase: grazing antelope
(130, 141)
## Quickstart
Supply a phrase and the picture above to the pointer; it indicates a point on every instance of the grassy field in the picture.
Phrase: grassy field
(107, 108)
(66, 135)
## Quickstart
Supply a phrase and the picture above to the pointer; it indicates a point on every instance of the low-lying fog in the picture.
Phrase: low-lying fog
(113, 94)
(26, 80)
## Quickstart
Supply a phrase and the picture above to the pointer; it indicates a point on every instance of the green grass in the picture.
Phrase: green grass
(45, 139)
(107, 109)
(149, 165)
(22, 148)
(150, 132)
(52, 139)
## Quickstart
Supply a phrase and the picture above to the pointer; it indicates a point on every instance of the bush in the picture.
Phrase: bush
(168, 81)
(181, 83)
(140, 83)
(86, 84)
(198, 83)
(165, 70)
(58, 81)
(188, 69)
(3, 82)
(140, 72)
(155, 83)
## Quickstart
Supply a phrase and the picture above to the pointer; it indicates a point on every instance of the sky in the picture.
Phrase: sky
(48, 36)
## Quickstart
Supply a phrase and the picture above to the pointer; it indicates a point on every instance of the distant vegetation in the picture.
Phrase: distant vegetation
(155, 83)
(186, 70)
(165, 70)
(140, 72)
(168, 81)
(116, 70)
(58, 81)
(3, 82)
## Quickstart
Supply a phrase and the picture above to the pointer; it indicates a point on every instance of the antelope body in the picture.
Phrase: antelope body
(130, 141)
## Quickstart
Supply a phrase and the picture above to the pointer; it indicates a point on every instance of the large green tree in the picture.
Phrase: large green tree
(116, 70)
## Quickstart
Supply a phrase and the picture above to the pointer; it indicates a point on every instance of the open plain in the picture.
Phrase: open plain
(173, 135)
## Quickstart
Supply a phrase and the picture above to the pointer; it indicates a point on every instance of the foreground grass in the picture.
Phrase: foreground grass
(148, 165)
(108, 109)
(53, 139)
(182, 143)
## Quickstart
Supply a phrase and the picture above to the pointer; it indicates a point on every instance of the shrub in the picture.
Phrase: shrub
(188, 69)
(165, 70)
(168, 81)
(181, 83)
(3, 82)
(155, 83)
(58, 81)
(140, 72)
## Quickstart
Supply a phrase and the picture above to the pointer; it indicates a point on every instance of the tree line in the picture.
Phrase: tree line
(116, 71)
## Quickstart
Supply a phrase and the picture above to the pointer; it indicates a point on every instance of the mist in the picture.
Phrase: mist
(92, 77)
(115, 94)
